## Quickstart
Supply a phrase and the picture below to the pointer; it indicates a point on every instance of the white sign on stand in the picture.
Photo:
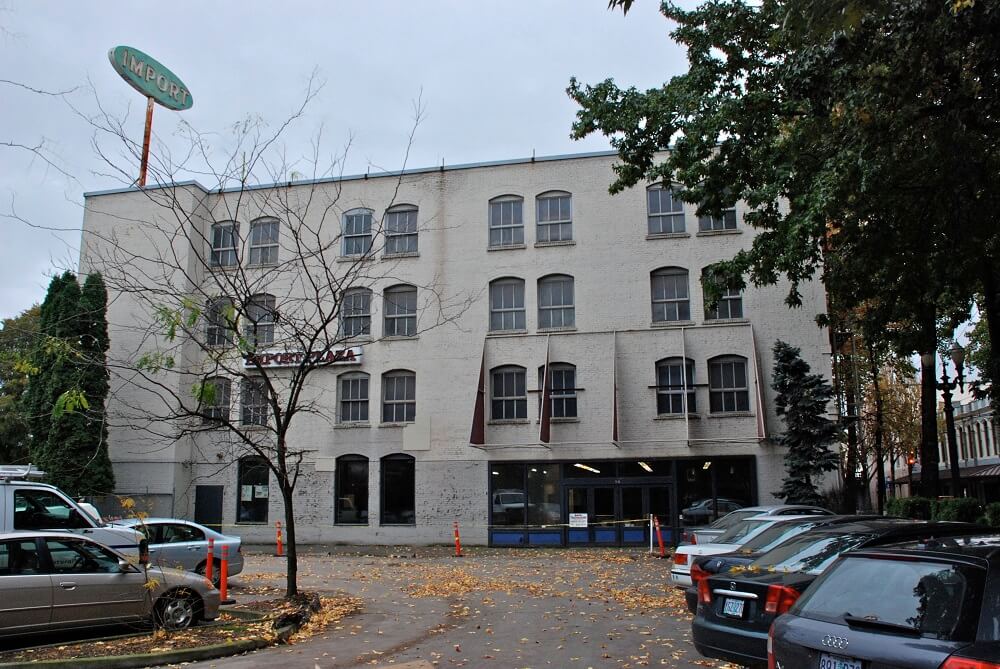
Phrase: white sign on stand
(578, 520)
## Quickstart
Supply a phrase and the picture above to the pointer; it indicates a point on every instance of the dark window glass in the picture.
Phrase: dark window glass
(264, 241)
(353, 398)
(555, 302)
(725, 222)
(224, 238)
(507, 304)
(74, 556)
(505, 222)
(216, 400)
(400, 306)
(809, 552)
(220, 322)
(44, 510)
(352, 490)
(730, 304)
(260, 318)
(401, 230)
(669, 288)
(509, 396)
(727, 381)
(671, 385)
(398, 490)
(175, 533)
(508, 494)
(253, 403)
(562, 389)
(555, 217)
(357, 232)
(252, 490)
(544, 500)
(665, 211)
(19, 558)
(399, 392)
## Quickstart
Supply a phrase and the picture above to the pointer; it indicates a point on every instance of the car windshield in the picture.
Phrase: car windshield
(731, 519)
(736, 534)
(775, 535)
(933, 599)
(807, 552)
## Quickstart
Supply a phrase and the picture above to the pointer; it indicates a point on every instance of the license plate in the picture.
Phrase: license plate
(733, 607)
(827, 661)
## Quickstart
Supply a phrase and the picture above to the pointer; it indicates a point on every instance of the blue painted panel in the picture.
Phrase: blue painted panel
(579, 536)
(668, 536)
(631, 535)
(501, 538)
(605, 536)
(545, 538)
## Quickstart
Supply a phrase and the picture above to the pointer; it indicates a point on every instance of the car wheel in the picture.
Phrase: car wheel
(176, 610)
(216, 575)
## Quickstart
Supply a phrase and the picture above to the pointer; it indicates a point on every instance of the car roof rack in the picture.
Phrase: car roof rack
(20, 472)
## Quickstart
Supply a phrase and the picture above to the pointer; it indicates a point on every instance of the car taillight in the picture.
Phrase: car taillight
(965, 663)
(779, 599)
(693, 538)
(704, 594)
(698, 574)
(680, 558)
(770, 647)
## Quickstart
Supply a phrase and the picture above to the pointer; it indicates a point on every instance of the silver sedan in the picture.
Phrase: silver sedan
(56, 581)
(184, 545)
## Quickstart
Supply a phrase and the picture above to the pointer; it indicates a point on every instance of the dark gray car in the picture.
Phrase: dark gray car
(927, 606)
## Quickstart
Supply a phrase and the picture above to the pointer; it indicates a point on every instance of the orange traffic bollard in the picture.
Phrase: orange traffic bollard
(280, 552)
(458, 542)
(223, 577)
(659, 537)
(210, 559)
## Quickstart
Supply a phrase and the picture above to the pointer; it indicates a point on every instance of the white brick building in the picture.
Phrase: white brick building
(548, 265)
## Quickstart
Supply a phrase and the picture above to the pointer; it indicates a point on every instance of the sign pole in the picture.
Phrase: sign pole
(145, 141)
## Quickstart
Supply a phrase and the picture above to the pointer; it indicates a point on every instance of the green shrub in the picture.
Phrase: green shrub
(962, 509)
(993, 514)
(918, 508)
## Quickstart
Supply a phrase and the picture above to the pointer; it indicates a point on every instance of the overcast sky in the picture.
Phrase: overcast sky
(492, 76)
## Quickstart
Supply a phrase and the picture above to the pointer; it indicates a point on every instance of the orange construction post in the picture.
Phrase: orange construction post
(224, 576)
(209, 559)
(659, 537)
(458, 542)
(280, 552)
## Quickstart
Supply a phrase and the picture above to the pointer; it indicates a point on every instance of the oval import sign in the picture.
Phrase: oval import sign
(146, 75)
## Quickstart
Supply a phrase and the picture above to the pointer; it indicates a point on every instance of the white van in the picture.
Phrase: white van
(30, 505)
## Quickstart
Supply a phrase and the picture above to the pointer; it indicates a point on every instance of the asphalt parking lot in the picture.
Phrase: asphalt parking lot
(491, 608)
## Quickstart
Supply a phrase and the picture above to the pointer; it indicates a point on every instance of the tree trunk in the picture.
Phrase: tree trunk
(879, 459)
(851, 469)
(291, 556)
(929, 475)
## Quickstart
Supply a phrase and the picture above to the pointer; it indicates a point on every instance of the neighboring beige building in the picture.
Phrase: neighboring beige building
(495, 267)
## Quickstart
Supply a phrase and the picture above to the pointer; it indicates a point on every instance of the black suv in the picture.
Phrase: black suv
(930, 605)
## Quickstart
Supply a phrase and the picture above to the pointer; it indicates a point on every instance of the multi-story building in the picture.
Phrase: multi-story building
(477, 279)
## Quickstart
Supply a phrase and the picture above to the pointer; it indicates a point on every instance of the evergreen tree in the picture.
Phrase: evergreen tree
(38, 398)
(17, 337)
(802, 401)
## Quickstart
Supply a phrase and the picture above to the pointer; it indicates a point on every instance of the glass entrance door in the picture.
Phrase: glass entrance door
(597, 504)
(638, 502)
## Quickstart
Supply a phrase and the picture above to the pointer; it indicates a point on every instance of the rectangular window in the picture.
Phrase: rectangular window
(562, 390)
(264, 242)
(507, 491)
(506, 224)
(355, 314)
(712, 223)
(354, 399)
(220, 323)
(253, 403)
(670, 387)
(665, 211)
(259, 327)
(398, 490)
(399, 393)
(730, 306)
(670, 296)
(401, 231)
(216, 400)
(357, 233)
(351, 490)
(555, 218)
(555, 303)
(507, 305)
(400, 311)
(510, 398)
(224, 238)
(252, 490)
(728, 390)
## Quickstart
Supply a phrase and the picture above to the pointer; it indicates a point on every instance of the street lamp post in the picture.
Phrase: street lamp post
(947, 385)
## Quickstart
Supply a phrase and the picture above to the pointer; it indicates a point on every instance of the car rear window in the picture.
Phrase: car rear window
(935, 599)
(807, 552)
(735, 534)
(731, 519)
(773, 536)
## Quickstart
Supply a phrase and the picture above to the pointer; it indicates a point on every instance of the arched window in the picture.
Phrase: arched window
(728, 387)
(220, 322)
(264, 241)
(253, 402)
(671, 302)
(353, 388)
(252, 490)
(400, 311)
(351, 490)
(555, 217)
(398, 486)
(562, 389)
(356, 312)
(225, 236)
(399, 396)
(506, 222)
(556, 302)
(730, 304)
(357, 232)
(260, 319)
(674, 378)
(401, 229)
(665, 213)
(507, 304)
(215, 399)
(509, 396)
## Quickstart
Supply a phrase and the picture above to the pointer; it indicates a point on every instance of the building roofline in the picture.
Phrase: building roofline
(358, 177)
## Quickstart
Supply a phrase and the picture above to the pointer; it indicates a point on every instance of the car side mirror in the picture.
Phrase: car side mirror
(124, 566)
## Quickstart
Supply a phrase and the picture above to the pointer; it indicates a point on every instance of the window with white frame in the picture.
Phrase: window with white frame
(253, 402)
(264, 241)
(562, 389)
(671, 302)
(665, 212)
(555, 302)
(730, 304)
(399, 304)
(506, 221)
(220, 322)
(399, 396)
(555, 217)
(509, 397)
(225, 236)
(357, 232)
(215, 399)
(507, 304)
(260, 318)
(671, 386)
(356, 312)
(401, 230)
(353, 398)
(728, 389)
(727, 221)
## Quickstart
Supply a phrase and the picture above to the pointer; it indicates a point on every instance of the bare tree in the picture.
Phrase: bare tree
(251, 287)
